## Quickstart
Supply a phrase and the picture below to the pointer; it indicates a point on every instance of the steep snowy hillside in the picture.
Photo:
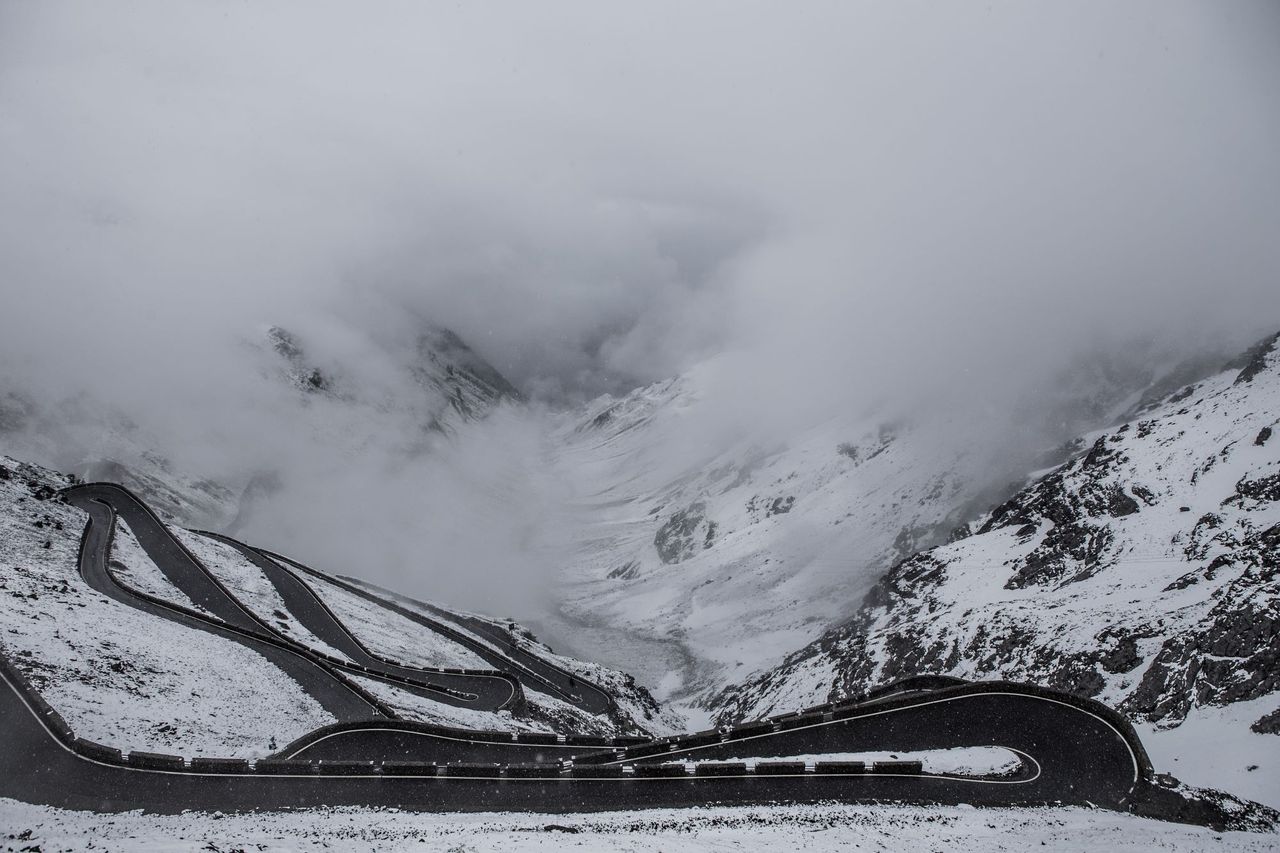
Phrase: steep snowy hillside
(699, 559)
(130, 678)
(1144, 572)
(453, 383)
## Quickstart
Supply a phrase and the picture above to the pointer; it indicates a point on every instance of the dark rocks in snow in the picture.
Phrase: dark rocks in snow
(1067, 552)
(1203, 535)
(1233, 655)
(304, 376)
(1169, 799)
(1076, 499)
(40, 491)
(710, 538)
(685, 533)
(1254, 361)
(465, 369)
(1268, 724)
(1077, 675)
(1212, 638)
(902, 580)
(317, 381)
(283, 342)
(1123, 657)
(626, 571)
(1263, 489)
(1122, 504)
(760, 508)
(1100, 454)
(1027, 530)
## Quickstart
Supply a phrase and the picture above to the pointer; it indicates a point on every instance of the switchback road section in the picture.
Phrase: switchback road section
(1071, 751)
(479, 690)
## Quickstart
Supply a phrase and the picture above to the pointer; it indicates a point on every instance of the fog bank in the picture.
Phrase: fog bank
(915, 207)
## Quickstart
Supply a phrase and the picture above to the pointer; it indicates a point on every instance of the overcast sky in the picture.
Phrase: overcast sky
(603, 193)
(844, 200)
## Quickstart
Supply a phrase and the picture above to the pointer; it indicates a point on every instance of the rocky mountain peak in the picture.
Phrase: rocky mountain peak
(471, 385)
(302, 375)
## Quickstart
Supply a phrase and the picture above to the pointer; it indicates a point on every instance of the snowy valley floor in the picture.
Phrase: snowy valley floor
(816, 828)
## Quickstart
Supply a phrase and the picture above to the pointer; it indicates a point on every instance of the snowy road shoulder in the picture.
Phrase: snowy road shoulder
(814, 828)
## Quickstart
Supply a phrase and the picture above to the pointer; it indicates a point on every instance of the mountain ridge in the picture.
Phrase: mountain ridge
(1144, 571)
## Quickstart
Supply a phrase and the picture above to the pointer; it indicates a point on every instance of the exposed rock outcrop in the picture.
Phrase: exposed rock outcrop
(1145, 572)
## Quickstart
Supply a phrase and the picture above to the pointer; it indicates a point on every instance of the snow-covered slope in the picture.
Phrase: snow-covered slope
(117, 675)
(634, 702)
(703, 555)
(453, 383)
(1143, 572)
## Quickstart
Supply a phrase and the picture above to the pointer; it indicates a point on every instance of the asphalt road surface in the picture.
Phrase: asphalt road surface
(1073, 752)
(1070, 750)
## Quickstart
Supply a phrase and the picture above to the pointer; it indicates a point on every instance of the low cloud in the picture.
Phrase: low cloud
(850, 205)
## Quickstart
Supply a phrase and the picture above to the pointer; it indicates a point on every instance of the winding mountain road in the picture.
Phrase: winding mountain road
(570, 687)
(103, 501)
(1069, 750)
(302, 602)
(502, 651)
(333, 693)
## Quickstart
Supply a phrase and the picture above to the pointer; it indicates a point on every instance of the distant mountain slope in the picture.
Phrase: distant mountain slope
(729, 553)
(451, 383)
(709, 555)
(122, 676)
(1144, 572)
(425, 388)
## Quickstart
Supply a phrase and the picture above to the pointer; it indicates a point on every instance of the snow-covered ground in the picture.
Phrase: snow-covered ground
(1142, 573)
(251, 588)
(703, 830)
(390, 635)
(545, 714)
(1215, 748)
(134, 569)
(703, 553)
(411, 706)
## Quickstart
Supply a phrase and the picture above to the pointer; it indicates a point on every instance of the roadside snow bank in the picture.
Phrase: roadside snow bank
(809, 828)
